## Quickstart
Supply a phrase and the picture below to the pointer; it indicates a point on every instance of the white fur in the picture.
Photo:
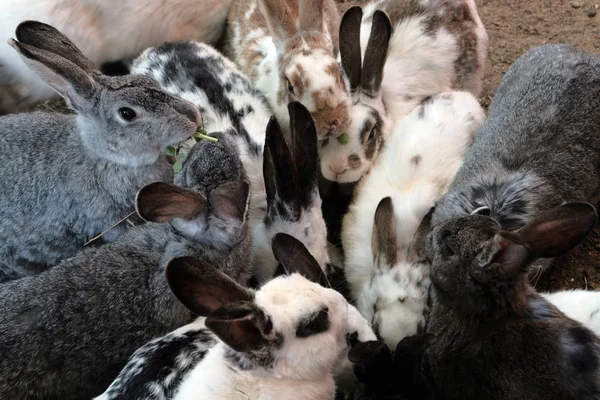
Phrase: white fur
(440, 138)
(581, 305)
(104, 30)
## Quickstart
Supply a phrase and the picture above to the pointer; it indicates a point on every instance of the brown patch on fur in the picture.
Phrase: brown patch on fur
(354, 161)
(374, 145)
(416, 160)
(327, 113)
(299, 81)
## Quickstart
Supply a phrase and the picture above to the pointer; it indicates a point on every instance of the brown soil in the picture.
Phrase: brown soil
(514, 26)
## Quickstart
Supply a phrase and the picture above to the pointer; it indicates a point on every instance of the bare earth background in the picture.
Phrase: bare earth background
(514, 26)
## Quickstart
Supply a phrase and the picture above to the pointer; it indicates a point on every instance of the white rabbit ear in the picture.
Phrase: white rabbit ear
(383, 240)
(280, 20)
(311, 15)
(66, 78)
(46, 37)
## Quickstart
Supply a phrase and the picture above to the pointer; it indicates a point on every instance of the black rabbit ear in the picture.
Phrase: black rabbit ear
(383, 240)
(376, 54)
(416, 251)
(293, 256)
(350, 45)
(163, 202)
(306, 157)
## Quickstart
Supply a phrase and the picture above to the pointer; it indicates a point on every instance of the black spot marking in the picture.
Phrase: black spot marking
(354, 161)
(314, 324)
(416, 160)
(593, 314)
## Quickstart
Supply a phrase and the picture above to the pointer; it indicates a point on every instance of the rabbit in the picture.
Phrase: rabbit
(67, 178)
(539, 146)
(66, 333)
(581, 305)
(396, 54)
(280, 342)
(229, 103)
(105, 31)
(289, 50)
(413, 172)
(485, 313)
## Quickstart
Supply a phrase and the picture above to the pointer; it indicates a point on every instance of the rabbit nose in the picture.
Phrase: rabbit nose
(338, 169)
(190, 111)
(332, 128)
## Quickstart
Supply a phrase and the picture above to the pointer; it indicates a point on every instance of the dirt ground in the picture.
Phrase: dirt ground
(514, 26)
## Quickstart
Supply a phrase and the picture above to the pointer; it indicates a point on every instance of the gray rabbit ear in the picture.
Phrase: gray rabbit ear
(201, 287)
(383, 240)
(66, 78)
(416, 251)
(163, 202)
(295, 257)
(46, 37)
(350, 45)
(229, 201)
(376, 54)
(306, 156)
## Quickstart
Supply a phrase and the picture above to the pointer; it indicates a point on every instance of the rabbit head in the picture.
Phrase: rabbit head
(307, 50)
(293, 200)
(477, 268)
(128, 120)
(291, 326)
(347, 158)
(395, 299)
(209, 200)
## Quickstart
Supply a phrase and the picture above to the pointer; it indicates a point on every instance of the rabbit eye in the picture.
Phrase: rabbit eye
(127, 113)
(290, 88)
(371, 135)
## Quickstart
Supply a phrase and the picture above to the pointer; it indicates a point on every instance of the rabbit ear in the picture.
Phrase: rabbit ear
(306, 157)
(293, 256)
(243, 326)
(383, 240)
(311, 15)
(350, 45)
(229, 201)
(163, 202)
(46, 37)
(508, 254)
(280, 20)
(416, 251)
(376, 54)
(66, 78)
(279, 173)
(201, 287)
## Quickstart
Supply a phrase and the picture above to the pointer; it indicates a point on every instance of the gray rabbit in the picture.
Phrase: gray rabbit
(540, 146)
(67, 178)
(66, 333)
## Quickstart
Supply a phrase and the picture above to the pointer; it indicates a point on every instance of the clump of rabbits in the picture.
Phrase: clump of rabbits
(105, 31)
(539, 147)
(67, 178)
(283, 183)
(485, 312)
(397, 54)
(72, 328)
(387, 278)
(280, 342)
(289, 50)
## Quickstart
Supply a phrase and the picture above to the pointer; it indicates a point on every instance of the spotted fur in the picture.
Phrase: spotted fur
(392, 291)
(289, 50)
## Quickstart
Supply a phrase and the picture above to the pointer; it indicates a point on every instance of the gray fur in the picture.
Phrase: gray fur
(66, 333)
(67, 178)
(539, 147)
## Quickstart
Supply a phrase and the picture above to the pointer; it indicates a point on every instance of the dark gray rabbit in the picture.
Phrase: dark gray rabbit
(540, 146)
(67, 178)
(491, 336)
(66, 333)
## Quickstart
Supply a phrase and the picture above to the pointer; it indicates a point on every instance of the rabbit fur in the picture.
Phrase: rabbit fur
(67, 332)
(413, 172)
(284, 192)
(486, 313)
(67, 178)
(397, 54)
(98, 28)
(581, 305)
(267, 358)
(289, 51)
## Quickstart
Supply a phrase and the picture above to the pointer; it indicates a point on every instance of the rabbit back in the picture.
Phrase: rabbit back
(581, 305)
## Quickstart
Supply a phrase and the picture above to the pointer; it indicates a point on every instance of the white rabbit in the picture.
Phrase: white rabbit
(289, 50)
(581, 305)
(104, 30)
(435, 46)
(414, 170)
(283, 341)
